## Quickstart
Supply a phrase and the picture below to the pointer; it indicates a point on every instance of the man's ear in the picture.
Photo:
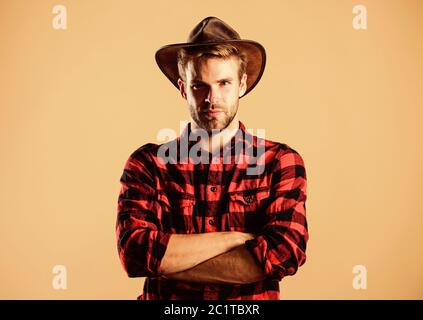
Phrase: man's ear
(243, 85)
(182, 88)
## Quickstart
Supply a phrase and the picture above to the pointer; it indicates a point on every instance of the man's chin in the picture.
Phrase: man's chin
(210, 125)
(213, 125)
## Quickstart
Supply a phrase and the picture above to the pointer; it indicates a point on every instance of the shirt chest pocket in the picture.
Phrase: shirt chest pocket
(178, 211)
(246, 209)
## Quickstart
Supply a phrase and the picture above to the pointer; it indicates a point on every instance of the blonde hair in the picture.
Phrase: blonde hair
(202, 53)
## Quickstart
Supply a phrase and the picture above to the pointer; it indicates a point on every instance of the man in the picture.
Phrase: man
(211, 227)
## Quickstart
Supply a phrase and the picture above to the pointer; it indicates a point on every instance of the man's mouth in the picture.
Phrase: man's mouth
(213, 112)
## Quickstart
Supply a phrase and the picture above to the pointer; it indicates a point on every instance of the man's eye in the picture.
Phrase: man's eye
(225, 83)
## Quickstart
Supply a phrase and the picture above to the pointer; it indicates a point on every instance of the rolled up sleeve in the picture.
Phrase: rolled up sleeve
(281, 245)
(141, 241)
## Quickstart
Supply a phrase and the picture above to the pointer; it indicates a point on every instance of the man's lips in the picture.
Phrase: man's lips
(213, 112)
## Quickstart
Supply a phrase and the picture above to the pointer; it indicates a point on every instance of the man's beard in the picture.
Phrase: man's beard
(220, 122)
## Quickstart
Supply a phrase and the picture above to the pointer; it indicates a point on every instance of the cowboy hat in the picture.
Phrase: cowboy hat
(210, 31)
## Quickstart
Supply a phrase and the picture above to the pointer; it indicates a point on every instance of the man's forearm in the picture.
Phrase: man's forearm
(234, 267)
(185, 251)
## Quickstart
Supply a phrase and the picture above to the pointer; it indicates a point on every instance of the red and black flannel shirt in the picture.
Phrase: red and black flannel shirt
(158, 199)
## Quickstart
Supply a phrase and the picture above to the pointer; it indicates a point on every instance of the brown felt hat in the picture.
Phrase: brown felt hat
(209, 31)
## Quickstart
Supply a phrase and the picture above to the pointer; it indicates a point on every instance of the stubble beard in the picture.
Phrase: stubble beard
(220, 122)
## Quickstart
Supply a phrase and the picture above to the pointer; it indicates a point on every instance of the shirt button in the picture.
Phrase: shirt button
(249, 199)
(211, 222)
(213, 189)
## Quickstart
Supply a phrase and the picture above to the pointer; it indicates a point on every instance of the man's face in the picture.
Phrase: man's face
(212, 90)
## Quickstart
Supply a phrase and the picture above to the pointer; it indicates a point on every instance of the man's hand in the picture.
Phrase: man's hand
(234, 267)
(185, 251)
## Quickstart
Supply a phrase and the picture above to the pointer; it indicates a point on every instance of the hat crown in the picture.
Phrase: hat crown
(212, 29)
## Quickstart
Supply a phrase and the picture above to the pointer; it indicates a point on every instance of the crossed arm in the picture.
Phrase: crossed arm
(216, 257)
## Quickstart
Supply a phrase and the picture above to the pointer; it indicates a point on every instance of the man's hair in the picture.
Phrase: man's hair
(202, 53)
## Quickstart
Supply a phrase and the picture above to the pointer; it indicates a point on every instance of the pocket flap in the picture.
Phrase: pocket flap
(248, 197)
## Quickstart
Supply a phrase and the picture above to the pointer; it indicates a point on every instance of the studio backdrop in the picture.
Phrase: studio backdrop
(80, 91)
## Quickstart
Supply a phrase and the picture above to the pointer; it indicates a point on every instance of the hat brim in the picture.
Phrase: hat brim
(166, 58)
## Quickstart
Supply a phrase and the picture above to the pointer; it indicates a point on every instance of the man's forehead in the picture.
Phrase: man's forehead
(223, 68)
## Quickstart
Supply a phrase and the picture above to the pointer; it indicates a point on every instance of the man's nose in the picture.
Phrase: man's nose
(213, 96)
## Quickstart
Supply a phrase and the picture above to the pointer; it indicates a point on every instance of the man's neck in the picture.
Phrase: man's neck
(218, 140)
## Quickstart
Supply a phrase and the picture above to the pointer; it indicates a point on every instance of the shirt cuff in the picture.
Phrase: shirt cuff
(160, 246)
(258, 248)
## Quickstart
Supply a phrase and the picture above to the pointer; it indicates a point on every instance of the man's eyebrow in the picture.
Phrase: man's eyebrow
(197, 81)
(220, 80)
(226, 79)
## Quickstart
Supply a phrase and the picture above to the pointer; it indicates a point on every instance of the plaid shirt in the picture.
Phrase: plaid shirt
(158, 199)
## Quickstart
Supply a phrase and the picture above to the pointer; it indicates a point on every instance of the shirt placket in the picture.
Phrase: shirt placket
(213, 193)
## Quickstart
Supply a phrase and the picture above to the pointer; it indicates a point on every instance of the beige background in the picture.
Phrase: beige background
(75, 103)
